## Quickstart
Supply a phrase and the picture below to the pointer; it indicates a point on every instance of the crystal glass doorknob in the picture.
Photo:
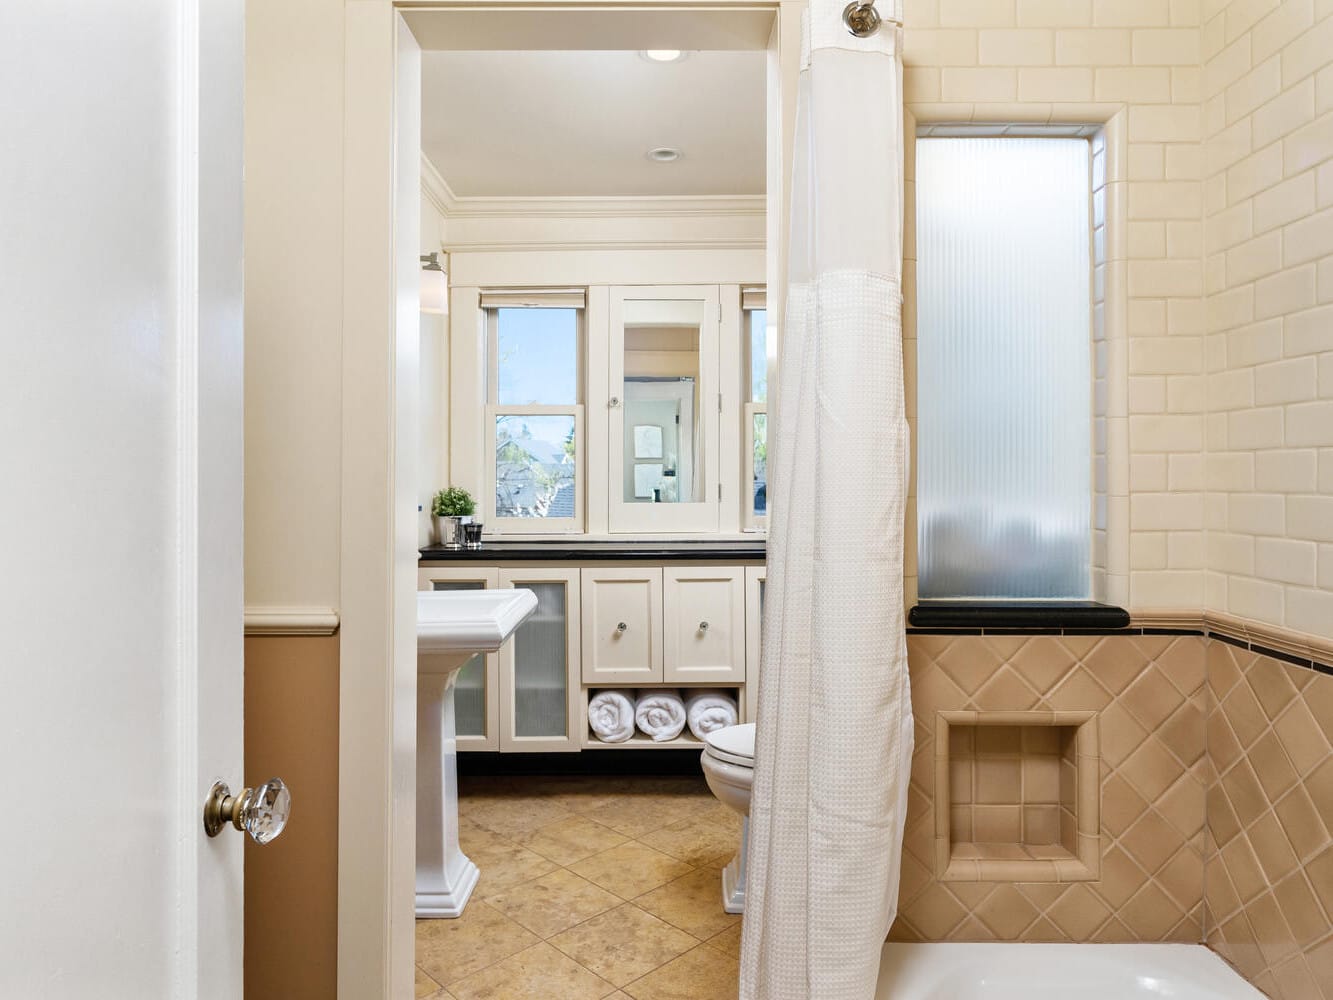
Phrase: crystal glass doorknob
(261, 812)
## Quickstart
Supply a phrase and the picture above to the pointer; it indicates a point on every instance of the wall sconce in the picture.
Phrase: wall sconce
(434, 286)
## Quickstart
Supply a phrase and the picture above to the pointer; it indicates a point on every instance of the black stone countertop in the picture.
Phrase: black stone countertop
(600, 550)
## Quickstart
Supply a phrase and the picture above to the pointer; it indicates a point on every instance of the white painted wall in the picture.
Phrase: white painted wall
(433, 453)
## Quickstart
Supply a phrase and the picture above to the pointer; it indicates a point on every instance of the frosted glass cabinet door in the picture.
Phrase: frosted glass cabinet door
(476, 706)
(540, 697)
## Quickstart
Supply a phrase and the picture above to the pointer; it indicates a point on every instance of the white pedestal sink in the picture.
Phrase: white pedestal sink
(452, 627)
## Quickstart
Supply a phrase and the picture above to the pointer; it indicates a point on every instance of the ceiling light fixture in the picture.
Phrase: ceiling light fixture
(663, 55)
(663, 154)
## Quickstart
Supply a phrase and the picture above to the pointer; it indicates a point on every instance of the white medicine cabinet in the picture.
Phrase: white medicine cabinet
(664, 409)
(610, 409)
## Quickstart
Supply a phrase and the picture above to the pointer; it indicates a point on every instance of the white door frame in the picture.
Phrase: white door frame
(381, 212)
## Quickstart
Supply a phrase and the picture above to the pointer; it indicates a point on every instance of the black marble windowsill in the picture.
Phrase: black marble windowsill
(1025, 616)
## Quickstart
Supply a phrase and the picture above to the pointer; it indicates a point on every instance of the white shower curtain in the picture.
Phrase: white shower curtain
(834, 743)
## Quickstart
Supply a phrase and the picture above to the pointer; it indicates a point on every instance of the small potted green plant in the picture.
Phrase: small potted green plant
(452, 508)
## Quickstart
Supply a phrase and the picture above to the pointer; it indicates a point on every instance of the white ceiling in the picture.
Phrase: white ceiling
(550, 124)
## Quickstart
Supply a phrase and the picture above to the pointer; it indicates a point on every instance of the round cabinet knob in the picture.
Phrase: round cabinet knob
(703, 626)
(615, 400)
(622, 627)
(261, 812)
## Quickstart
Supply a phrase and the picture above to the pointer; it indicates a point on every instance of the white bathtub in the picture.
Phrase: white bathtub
(1057, 972)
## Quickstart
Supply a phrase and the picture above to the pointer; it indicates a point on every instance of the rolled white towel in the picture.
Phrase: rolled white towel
(708, 710)
(660, 713)
(611, 716)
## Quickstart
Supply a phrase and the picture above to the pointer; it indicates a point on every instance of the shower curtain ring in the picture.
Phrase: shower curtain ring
(861, 18)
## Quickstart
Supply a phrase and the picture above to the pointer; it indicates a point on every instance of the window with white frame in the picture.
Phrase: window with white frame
(534, 414)
(1004, 397)
(754, 429)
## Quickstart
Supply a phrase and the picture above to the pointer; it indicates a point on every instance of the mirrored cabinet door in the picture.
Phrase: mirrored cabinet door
(476, 707)
(540, 699)
(663, 408)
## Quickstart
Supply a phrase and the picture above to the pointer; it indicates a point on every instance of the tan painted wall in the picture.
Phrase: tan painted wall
(291, 885)
(293, 392)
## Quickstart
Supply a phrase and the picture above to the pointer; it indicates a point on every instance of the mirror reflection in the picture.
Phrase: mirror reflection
(662, 445)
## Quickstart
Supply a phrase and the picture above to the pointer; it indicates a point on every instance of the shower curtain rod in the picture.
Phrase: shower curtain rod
(863, 20)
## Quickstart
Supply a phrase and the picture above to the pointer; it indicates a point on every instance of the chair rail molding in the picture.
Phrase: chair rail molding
(290, 620)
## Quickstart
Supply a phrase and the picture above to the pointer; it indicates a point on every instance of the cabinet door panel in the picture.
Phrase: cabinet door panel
(704, 623)
(539, 667)
(476, 690)
(756, 581)
(622, 626)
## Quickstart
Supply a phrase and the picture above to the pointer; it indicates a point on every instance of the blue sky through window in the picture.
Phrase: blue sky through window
(538, 357)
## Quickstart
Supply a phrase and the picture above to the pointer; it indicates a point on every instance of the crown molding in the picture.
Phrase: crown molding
(565, 223)
(273, 620)
(435, 188)
(482, 246)
(611, 207)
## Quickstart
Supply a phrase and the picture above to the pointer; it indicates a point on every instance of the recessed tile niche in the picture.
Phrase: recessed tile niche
(1017, 797)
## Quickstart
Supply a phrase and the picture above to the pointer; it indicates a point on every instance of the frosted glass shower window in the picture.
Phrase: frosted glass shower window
(1004, 482)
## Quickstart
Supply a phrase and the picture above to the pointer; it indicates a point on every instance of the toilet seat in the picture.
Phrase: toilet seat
(734, 745)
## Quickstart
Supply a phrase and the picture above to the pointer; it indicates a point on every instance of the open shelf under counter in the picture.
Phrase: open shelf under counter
(685, 741)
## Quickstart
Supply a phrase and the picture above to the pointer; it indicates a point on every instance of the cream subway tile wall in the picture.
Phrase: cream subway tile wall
(1268, 246)
(1213, 283)
(1135, 68)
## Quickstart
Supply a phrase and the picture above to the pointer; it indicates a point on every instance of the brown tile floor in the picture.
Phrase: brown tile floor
(590, 888)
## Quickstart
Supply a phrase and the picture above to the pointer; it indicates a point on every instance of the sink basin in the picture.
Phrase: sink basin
(452, 627)
(461, 623)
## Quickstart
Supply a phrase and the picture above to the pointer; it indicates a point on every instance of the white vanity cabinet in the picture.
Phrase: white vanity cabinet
(622, 626)
(703, 625)
(602, 624)
(681, 625)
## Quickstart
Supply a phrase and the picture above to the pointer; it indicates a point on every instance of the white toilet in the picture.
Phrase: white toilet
(728, 762)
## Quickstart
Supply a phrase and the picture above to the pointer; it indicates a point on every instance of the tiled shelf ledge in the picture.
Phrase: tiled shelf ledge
(1017, 617)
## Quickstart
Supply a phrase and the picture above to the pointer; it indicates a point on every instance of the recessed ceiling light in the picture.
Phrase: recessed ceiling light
(663, 154)
(663, 55)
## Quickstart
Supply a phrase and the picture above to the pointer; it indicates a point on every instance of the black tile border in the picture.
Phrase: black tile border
(1304, 662)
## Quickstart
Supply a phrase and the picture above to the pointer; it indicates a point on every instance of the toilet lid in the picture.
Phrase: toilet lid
(734, 744)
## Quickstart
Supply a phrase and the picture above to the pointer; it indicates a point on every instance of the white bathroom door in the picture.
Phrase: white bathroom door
(120, 445)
